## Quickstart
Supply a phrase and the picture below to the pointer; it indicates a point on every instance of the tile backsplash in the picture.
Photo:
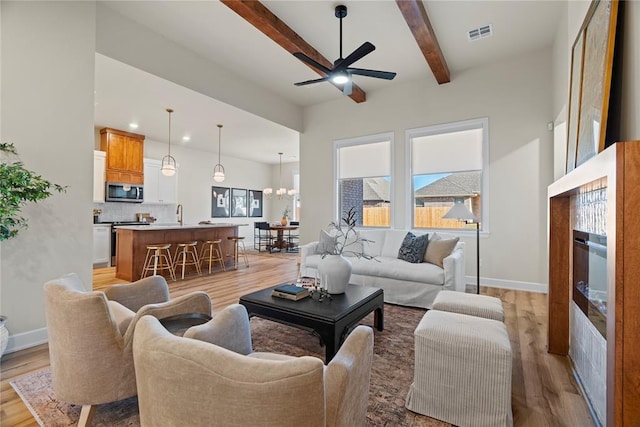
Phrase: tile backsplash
(114, 211)
(588, 351)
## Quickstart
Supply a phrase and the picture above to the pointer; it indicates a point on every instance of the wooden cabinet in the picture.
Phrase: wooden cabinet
(99, 165)
(124, 156)
(159, 188)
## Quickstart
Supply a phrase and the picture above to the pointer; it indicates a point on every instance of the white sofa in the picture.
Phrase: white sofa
(403, 282)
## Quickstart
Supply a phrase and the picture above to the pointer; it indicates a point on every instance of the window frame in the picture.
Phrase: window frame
(478, 123)
(363, 140)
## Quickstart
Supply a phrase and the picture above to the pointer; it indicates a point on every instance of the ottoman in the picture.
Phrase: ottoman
(471, 304)
(462, 370)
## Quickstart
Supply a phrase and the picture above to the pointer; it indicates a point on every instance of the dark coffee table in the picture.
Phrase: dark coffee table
(331, 319)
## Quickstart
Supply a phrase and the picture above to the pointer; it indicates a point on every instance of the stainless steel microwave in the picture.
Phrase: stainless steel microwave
(118, 192)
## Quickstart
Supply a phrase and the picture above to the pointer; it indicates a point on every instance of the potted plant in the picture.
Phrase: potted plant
(334, 269)
(18, 186)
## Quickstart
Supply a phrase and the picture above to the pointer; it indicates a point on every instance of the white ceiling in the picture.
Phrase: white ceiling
(215, 32)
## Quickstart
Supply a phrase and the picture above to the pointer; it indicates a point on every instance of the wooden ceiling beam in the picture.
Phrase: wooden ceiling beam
(273, 27)
(418, 21)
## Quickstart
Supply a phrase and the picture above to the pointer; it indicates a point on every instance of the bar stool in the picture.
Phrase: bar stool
(212, 252)
(187, 254)
(237, 240)
(158, 258)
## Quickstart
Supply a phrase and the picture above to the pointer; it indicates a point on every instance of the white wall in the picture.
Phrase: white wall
(124, 40)
(195, 181)
(516, 96)
(47, 111)
(630, 124)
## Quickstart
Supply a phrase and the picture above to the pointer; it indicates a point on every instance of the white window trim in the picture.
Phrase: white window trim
(444, 128)
(362, 140)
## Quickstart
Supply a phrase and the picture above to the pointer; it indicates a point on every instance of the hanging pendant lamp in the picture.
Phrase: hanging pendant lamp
(218, 170)
(168, 167)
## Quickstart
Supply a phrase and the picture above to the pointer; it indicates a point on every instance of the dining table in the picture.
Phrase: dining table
(281, 241)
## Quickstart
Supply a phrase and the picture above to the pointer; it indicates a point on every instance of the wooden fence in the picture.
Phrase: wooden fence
(424, 217)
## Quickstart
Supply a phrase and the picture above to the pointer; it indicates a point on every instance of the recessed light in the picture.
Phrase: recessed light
(133, 125)
(186, 138)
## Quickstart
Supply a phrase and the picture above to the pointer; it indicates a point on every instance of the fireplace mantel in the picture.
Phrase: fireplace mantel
(619, 167)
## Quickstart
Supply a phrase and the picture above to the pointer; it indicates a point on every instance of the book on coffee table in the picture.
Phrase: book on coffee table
(289, 291)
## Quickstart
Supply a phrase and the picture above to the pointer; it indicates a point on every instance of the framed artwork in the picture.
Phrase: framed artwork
(591, 71)
(575, 88)
(220, 202)
(238, 202)
(255, 203)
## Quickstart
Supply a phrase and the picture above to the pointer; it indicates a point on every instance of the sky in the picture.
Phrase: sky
(420, 181)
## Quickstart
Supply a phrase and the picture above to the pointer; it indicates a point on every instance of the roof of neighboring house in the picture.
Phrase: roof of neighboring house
(461, 184)
(375, 189)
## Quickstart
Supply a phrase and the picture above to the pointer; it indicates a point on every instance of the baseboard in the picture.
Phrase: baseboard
(508, 284)
(29, 339)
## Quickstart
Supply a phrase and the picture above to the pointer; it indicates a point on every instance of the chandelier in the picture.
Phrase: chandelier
(281, 191)
(218, 170)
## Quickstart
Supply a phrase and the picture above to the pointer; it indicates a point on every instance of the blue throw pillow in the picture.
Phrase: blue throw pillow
(413, 248)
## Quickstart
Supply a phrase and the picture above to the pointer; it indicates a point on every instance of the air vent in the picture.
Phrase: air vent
(480, 33)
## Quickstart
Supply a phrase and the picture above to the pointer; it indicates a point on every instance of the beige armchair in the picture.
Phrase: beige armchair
(227, 384)
(91, 335)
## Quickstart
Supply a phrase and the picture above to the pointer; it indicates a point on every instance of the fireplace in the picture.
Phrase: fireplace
(590, 277)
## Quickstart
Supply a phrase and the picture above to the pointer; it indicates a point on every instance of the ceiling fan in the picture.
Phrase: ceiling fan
(341, 71)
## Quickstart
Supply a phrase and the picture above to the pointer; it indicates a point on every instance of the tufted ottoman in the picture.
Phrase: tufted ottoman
(462, 370)
(471, 304)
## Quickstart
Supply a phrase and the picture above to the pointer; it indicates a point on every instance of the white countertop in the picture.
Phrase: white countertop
(153, 227)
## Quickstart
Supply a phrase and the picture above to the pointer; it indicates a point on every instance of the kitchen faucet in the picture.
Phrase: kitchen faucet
(179, 213)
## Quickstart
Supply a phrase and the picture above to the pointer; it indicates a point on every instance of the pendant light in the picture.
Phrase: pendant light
(218, 170)
(281, 191)
(168, 167)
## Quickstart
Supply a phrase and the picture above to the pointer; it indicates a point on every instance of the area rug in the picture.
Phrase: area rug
(391, 375)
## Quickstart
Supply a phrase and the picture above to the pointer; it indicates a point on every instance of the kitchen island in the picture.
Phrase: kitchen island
(132, 241)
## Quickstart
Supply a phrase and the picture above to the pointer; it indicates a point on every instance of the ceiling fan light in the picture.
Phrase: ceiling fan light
(340, 79)
(292, 192)
(268, 191)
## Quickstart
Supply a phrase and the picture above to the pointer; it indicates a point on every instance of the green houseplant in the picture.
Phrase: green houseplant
(18, 186)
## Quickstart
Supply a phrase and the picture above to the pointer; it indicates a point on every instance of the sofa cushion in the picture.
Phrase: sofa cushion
(439, 249)
(326, 243)
(413, 248)
(394, 268)
(375, 241)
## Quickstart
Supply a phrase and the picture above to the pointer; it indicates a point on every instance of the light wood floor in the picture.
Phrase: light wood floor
(544, 391)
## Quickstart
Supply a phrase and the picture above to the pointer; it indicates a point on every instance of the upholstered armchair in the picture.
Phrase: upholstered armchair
(91, 335)
(188, 378)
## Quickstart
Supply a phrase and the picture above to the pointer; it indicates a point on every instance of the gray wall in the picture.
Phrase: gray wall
(47, 111)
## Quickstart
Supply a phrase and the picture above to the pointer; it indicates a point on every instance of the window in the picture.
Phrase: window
(448, 162)
(363, 178)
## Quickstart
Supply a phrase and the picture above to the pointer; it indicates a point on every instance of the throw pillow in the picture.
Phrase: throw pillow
(413, 248)
(326, 243)
(439, 250)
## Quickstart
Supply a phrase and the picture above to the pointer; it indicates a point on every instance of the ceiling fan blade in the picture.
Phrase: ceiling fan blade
(308, 82)
(387, 75)
(365, 49)
(348, 87)
(304, 58)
